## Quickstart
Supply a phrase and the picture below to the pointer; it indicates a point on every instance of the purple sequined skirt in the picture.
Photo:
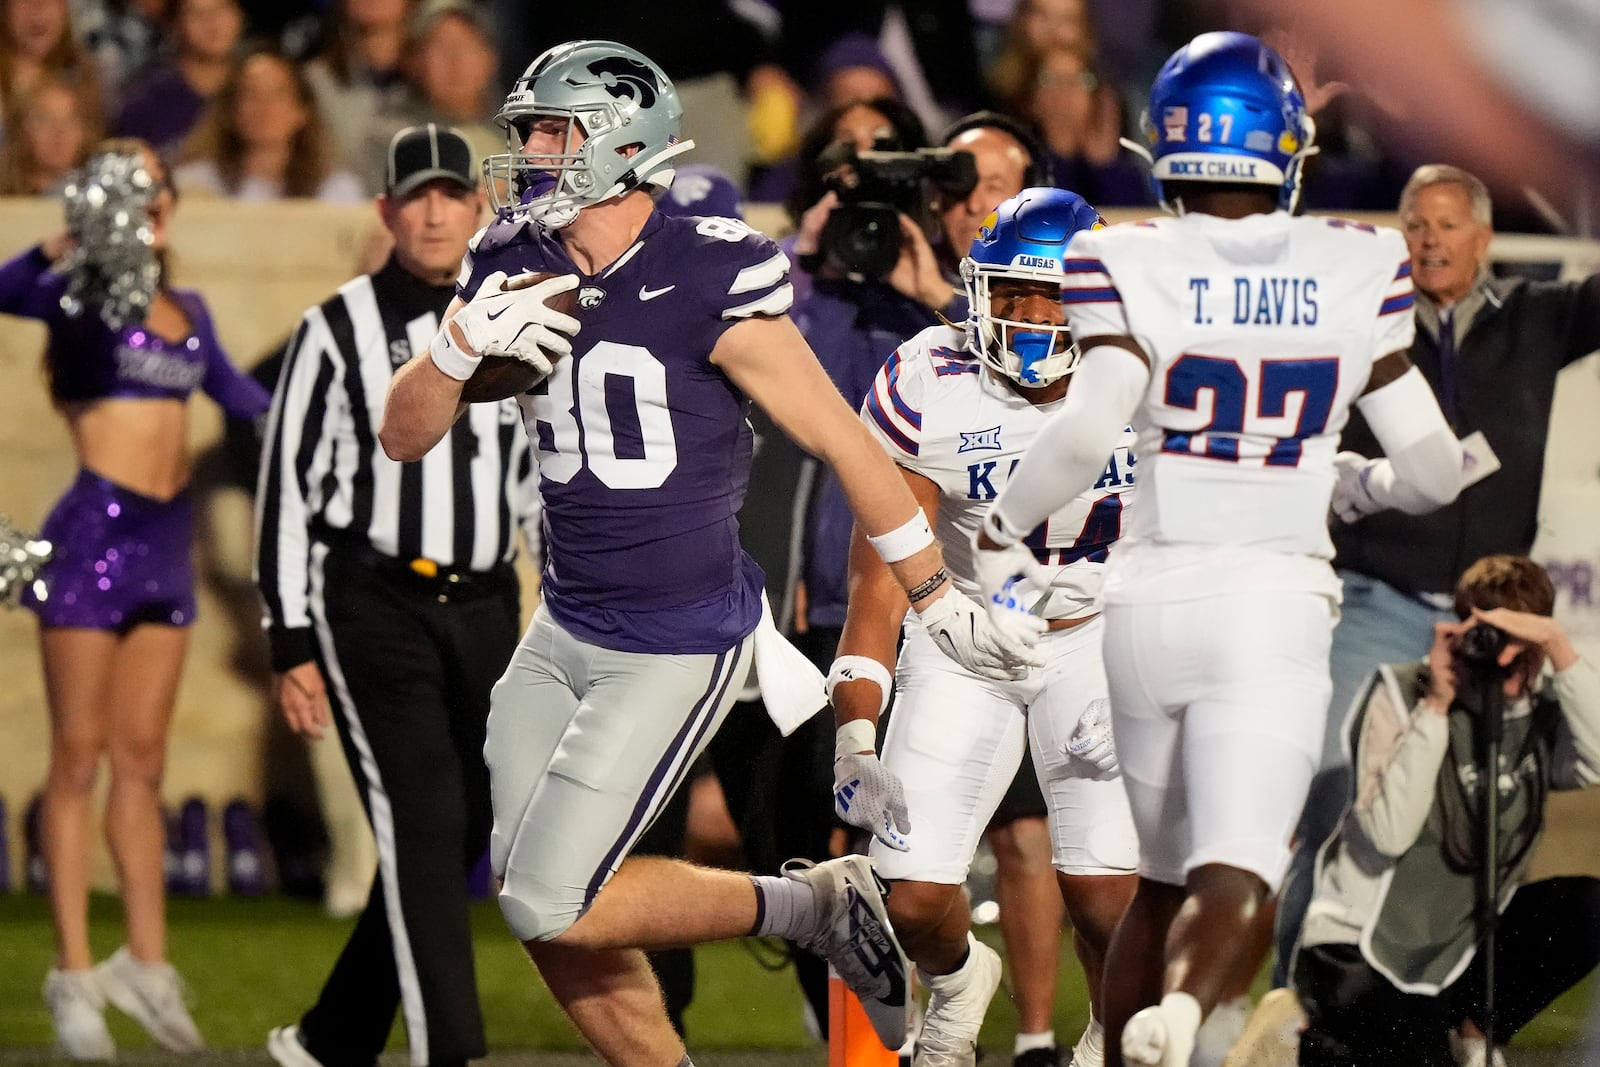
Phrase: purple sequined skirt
(121, 558)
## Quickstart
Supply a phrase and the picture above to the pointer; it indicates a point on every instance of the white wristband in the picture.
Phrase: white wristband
(857, 735)
(451, 358)
(905, 540)
(855, 668)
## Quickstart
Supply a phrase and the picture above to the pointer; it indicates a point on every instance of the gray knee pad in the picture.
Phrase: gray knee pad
(534, 914)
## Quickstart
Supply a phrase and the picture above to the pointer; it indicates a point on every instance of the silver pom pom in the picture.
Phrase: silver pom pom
(21, 558)
(114, 268)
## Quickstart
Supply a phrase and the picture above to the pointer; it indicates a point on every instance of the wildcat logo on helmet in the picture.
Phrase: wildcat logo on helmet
(626, 79)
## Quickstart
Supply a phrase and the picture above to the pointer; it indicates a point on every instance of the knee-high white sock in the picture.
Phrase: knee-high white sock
(785, 907)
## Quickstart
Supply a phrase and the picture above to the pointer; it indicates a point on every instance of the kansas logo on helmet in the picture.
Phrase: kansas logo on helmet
(626, 79)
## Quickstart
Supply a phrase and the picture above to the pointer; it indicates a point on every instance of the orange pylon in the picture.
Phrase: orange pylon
(852, 1042)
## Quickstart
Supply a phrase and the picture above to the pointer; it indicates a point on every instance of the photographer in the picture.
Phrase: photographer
(1388, 961)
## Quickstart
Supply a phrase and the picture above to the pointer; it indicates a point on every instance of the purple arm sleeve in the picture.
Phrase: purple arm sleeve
(240, 395)
(28, 288)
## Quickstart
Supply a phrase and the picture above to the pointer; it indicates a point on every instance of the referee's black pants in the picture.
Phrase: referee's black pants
(409, 663)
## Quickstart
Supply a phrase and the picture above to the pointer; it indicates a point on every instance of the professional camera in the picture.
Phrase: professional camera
(862, 235)
(1481, 643)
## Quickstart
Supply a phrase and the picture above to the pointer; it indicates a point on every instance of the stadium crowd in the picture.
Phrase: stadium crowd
(258, 100)
(261, 101)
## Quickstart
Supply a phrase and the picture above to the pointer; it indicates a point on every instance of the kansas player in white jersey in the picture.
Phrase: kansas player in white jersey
(646, 632)
(1236, 337)
(956, 409)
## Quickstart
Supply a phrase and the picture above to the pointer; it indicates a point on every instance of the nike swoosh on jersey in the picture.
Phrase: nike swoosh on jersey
(647, 293)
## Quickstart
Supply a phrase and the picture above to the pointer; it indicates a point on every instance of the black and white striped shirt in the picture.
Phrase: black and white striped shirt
(324, 476)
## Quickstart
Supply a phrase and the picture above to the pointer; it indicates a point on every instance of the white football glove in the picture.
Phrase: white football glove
(1351, 501)
(868, 795)
(1091, 739)
(1001, 650)
(516, 322)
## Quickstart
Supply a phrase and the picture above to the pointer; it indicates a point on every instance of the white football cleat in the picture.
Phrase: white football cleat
(78, 1009)
(152, 994)
(852, 933)
(1468, 1052)
(1220, 1032)
(959, 1001)
(1152, 1038)
(285, 1046)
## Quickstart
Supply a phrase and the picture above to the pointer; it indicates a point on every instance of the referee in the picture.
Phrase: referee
(391, 597)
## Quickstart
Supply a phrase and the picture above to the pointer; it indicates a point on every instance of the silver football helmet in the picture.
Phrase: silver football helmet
(609, 96)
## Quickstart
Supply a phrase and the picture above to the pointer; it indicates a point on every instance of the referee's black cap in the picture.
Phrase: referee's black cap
(419, 154)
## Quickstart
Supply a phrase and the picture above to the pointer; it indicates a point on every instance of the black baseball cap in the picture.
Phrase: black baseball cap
(419, 154)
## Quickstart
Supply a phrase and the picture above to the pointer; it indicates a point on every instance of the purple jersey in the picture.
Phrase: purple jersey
(643, 446)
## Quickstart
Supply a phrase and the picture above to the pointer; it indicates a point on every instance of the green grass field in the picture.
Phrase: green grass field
(255, 964)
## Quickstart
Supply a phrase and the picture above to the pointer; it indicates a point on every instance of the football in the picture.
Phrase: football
(499, 377)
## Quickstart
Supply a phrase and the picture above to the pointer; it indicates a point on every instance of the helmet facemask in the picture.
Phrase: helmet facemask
(1033, 355)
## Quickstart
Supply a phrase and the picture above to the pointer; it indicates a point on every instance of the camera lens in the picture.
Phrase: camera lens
(1482, 643)
(863, 239)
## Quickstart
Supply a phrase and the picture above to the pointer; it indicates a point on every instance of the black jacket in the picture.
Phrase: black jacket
(1525, 333)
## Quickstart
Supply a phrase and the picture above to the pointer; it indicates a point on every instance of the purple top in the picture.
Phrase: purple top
(642, 443)
(90, 361)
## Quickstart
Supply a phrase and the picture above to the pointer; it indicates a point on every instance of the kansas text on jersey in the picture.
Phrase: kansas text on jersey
(939, 412)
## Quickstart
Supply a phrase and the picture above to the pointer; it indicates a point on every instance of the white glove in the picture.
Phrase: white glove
(1091, 738)
(999, 649)
(868, 795)
(502, 321)
(1351, 501)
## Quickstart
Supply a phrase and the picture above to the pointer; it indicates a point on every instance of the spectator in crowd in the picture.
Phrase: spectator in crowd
(360, 70)
(37, 42)
(166, 102)
(393, 605)
(1491, 349)
(114, 625)
(1037, 27)
(854, 68)
(123, 36)
(450, 68)
(50, 137)
(852, 71)
(928, 43)
(1079, 116)
(263, 138)
(1382, 968)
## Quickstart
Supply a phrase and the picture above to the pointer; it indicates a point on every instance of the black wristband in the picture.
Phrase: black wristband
(927, 585)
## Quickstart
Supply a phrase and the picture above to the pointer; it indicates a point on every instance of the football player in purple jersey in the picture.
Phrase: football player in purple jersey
(652, 613)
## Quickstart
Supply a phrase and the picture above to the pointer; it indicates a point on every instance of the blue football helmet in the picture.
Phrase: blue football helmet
(1024, 239)
(1225, 108)
(615, 98)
